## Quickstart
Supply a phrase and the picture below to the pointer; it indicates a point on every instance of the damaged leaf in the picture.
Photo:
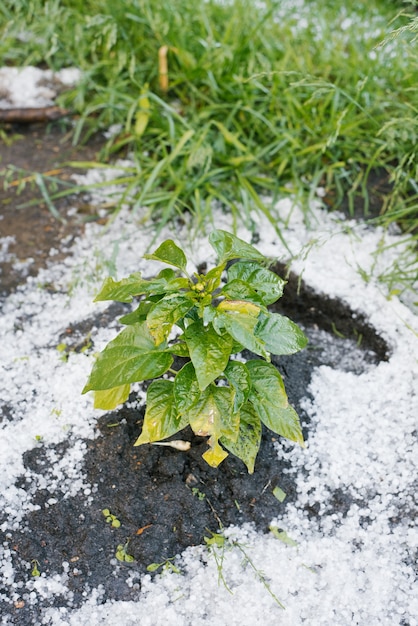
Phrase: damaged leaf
(182, 335)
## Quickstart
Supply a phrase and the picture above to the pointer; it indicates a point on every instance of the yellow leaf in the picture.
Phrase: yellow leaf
(240, 306)
(216, 454)
(143, 113)
(237, 161)
(163, 68)
(109, 399)
(212, 416)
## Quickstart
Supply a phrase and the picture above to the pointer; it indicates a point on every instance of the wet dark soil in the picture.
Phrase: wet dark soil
(355, 205)
(165, 500)
(26, 150)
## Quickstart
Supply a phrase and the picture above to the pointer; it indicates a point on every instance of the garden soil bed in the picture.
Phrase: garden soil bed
(165, 500)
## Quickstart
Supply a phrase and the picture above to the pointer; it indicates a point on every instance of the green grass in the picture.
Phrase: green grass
(261, 101)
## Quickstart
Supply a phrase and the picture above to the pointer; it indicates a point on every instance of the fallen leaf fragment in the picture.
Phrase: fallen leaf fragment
(141, 530)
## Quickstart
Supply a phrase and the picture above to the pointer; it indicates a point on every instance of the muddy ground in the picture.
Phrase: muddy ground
(26, 150)
(165, 500)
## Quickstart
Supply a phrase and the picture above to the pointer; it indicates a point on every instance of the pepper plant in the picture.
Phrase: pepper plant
(207, 319)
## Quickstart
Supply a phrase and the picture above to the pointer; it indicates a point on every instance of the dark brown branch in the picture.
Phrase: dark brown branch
(30, 115)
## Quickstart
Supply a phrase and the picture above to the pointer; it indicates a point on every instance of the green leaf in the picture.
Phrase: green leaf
(236, 347)
(241, 328)
(123, 290)
(138, 315)
(109, 399)
(209, 352)
(165, 313)
(213, 413)
(249, 437)
(284, 422)
(193, 314)
(213, 416)
(129, 558)
(269, 399)
(186, 388)
(280, 334)
(282, 535)
(279, 494)
(239, 290)
(266, 283)
(238, 376)
(161, 416)
(216, 539)
(169, 252)
(213, 277)
(266, 381)
(122, 555)
(228, 247)
(127, 288)
(179, 349)
(167, 281)
(132, 356)
(153, 567)
(35, 570)
(208, 315)
(231, 138)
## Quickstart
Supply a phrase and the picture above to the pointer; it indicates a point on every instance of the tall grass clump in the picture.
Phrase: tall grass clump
(236, 101)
